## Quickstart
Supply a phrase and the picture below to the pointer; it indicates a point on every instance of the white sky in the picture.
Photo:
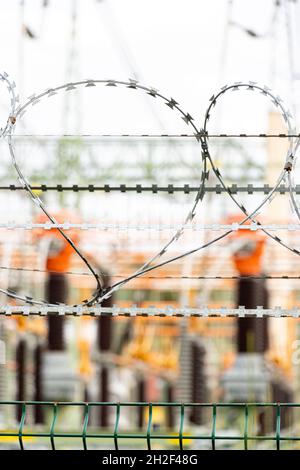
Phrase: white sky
(183, 48)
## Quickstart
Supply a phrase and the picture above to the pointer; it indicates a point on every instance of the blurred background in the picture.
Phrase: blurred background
(105, 136)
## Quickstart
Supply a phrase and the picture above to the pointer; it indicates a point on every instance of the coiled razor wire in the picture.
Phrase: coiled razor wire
(101, 293)
(62, 429)
(289, 161)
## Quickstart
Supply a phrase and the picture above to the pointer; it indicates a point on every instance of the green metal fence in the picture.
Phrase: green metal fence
(221, 426)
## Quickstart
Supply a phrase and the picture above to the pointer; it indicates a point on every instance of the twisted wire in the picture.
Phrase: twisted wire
(154, 188)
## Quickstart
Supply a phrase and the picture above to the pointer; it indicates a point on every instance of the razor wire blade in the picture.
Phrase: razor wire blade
(201, 135)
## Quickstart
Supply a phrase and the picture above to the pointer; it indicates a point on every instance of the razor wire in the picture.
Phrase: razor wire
(132, 84)
(154, 188)
(60, 426)
(203, 139)
(289, 161)
(151, 311)
(201, 136)
(121, 226)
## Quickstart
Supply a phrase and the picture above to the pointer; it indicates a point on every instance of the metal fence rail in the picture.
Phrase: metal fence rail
(224, 425)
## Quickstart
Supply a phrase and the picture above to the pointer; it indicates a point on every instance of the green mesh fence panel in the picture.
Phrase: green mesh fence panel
(70, 425)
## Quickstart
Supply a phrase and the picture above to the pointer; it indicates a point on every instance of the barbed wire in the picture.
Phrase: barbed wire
(288, 164)
(134, 311)
(179, 277)
(154, 188)
(201, 136)
(14, 100)
(123, 226)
